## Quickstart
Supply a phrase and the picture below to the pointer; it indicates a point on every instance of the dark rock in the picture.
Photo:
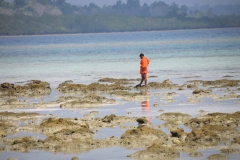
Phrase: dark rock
(52, 139)
(153, 76)
(191, 86)
(67, 87)
(167, 84)
(236, 141)
(224, 132)
(24, 144)
(179, 132)
(223, 119)
(119, 81)
(2, 148)
(142, 120)
(203, 136)
(201, 91)
(7, 86)
(3, 133)
(156, 151)
(54, 122)
(217, 157)
(40, 141)
(33, 88)
(142, 136)
(75, 158)
(230, 151)
(108, 119)
(175, 116)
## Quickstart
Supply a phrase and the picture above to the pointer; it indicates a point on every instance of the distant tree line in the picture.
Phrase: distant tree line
(102, 22)
(120, 17)
(217, 10)
(130, 8)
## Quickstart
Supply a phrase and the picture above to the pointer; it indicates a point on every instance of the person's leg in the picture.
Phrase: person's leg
(144, 77)
(141, 80)
(143, 72)
(145, 80)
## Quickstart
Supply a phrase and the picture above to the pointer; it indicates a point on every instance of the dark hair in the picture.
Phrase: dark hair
(141, 55)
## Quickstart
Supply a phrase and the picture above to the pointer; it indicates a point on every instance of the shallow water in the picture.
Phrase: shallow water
(84, 58)
(117, 153)
(108, 132)
(137, 109)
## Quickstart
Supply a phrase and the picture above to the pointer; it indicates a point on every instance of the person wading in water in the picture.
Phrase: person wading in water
(143, 70)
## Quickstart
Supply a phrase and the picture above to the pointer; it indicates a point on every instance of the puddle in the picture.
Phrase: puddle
(53, 96)
(165, 130)
(186, 129)
(209, 151)
(116, 153)
(130, 124)
(108, 132)
(225, 143)
(36, 155)
(156, 121)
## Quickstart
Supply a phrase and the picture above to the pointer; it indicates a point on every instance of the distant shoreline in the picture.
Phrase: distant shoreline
(64, 34)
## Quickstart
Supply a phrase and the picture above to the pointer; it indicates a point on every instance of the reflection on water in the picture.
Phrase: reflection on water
(146, 107)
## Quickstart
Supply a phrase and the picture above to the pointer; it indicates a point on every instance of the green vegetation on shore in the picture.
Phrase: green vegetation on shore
(59, 17)
(47, 24)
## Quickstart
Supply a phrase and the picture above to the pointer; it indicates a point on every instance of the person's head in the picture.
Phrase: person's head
(141, 55)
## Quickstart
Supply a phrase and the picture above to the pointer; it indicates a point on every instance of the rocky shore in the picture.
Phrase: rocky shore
(77, 135)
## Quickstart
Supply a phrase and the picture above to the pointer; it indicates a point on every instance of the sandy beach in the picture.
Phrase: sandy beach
(198, 118)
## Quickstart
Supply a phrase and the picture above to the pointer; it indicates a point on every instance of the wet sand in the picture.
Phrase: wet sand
(196, 118)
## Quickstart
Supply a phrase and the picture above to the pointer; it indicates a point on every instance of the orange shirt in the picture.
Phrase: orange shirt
(144, 62)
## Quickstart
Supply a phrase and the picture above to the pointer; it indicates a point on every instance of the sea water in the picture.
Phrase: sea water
(84, 58)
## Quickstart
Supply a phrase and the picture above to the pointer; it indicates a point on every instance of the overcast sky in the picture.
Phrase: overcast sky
(180, 2)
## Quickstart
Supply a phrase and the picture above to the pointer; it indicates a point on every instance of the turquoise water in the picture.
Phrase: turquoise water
(85, 58)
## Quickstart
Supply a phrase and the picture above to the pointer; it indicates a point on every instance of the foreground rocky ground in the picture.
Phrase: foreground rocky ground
(76, 135)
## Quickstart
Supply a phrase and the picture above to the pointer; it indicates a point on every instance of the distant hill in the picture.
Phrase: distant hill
(28, 7)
